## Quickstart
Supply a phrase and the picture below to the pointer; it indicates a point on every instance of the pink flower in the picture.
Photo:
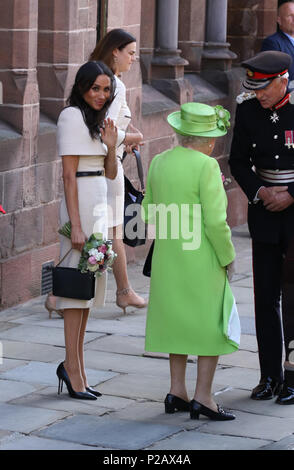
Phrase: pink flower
(92, 260)
(223, 178)
(102, 249)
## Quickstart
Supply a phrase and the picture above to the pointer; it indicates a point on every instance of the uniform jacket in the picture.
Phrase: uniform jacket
(259, 142)
(280, 42)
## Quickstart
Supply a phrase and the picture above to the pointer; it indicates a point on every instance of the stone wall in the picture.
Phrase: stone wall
(45, 42)
(249, 21)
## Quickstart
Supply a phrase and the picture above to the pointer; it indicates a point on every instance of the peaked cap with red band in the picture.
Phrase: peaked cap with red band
(264, 67)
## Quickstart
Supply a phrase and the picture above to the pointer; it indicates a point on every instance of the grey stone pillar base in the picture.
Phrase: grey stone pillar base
(178, 89)
(217, 55)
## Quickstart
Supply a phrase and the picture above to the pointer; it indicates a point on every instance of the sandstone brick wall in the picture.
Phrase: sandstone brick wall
(249, 21)
(43, 42)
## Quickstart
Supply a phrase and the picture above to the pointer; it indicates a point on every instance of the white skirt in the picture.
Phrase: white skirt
(92, 195)
(116, 197)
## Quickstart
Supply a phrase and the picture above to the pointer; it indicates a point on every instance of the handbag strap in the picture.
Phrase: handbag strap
(139, 166)
(64, 257)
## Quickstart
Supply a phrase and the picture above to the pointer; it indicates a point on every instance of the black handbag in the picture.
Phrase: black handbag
(72, 283)
(133, 223)
(148, 262)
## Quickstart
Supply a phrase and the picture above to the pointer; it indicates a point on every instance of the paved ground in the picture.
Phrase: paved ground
(130, 414)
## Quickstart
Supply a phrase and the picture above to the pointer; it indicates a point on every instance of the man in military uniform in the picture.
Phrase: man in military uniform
(262, 162)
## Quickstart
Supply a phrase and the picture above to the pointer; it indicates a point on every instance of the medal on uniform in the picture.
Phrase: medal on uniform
(289, 140)
(274, 117)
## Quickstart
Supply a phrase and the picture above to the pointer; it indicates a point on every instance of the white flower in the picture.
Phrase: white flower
(99, 256)
(93, 252)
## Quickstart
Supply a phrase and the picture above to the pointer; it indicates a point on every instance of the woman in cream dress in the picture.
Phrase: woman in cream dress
(118, 50)
(86, 160)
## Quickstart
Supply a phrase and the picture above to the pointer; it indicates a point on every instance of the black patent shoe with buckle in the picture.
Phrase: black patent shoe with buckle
(197, 409)
(267, 388)
(173, 404)
(286, 396)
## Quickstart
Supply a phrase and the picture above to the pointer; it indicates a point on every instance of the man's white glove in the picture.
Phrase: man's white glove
(230, 270)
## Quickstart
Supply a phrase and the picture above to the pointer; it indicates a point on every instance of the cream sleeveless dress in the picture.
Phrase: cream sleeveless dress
(73, 138)
(120, 113)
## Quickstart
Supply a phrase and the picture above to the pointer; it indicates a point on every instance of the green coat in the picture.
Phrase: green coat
(191, 307)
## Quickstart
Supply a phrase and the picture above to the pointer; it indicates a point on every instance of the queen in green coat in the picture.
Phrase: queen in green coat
(191, 306)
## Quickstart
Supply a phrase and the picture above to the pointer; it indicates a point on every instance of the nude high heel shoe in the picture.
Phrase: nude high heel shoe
(51, 306)
(122, 301)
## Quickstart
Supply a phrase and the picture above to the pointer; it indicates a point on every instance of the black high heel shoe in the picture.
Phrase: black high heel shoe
(63, 377)
(173, 403)
(93, 391)
(197, 409)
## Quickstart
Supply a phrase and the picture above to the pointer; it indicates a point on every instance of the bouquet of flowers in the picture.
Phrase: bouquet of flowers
(97, 254)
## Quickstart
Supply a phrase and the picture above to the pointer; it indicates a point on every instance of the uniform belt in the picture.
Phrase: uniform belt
(276, 176)
(90, 173)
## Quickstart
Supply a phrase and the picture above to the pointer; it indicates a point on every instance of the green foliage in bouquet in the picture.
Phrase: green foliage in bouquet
(97, 254)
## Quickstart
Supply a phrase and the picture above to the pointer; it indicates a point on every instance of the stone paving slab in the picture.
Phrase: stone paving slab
(154, 412)
(124, 363)
(42, 319)
(9, 390)
(39, 334)
(237, 377)
(144, 386)
(9, 364)
(119, 344)
(44, 373)
(32, 351)
(115, 327)
(26, 419)
(247, 322)
(241, 358)
(20, 442)
(284, 444)
(251, 425)
(195, 440)
(243, 295)
(244, 281)
(240, 400)
(5, 325)
(108, 432)
(108, 402)
(248, 343)
(4, 435)
(52, 401)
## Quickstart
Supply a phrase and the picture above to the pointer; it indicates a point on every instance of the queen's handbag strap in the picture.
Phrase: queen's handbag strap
(139, 166)
(67, 253)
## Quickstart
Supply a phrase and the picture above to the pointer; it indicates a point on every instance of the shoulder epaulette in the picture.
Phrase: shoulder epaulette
(245, 96)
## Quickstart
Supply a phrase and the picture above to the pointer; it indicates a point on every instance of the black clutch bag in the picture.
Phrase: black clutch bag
(135, 229)
(72, 283)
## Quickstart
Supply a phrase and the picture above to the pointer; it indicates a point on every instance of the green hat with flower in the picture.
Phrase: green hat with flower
(200, 119)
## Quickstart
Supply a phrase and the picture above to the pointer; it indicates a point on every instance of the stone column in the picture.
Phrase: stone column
(192, 32)
(216, 56)
(167, 64)
(216, 53)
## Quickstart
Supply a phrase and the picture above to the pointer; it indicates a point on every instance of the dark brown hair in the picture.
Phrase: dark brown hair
(85, 78)
(114, 39)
